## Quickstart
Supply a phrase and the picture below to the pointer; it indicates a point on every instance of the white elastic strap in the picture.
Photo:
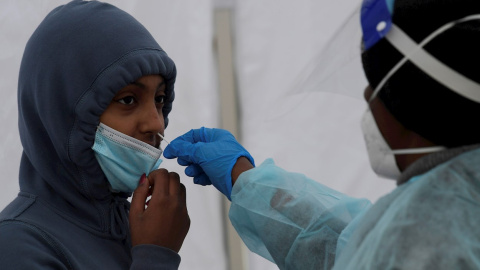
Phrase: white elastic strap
(429, 64)
(421, 150)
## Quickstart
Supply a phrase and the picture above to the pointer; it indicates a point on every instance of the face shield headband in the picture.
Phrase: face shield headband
(376, 22)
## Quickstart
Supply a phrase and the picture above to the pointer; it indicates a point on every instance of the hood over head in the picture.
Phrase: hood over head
(75, 62)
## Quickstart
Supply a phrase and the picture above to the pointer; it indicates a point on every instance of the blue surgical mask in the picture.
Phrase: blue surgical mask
(124, 159)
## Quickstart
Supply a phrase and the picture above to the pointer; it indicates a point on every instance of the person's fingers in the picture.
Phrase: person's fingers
(174, 185)
(159, 179)
(183, 192)
(202, 179)
(183, 200)
(183, 162)
(173, 149)
(199, 135)
(194, 170)
(140, 196)
(170, 151)
(180, 149)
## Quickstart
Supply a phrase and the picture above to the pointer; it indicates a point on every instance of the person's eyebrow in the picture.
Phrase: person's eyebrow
(160, 85)
(141, 85)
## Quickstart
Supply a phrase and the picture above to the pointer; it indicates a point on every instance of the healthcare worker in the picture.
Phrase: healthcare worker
(95, 90)
(420, 59)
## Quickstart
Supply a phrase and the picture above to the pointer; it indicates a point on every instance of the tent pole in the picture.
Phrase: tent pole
(237, 251)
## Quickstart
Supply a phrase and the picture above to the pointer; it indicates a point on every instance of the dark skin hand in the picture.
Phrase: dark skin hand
(165, 222)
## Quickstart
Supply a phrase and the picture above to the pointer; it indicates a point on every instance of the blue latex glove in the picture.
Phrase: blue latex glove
(210, 155)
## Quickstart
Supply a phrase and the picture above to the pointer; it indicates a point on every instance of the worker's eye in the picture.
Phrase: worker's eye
(160, 99)
(126, 100)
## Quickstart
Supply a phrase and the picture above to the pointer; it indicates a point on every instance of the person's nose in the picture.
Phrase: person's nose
(152, 120)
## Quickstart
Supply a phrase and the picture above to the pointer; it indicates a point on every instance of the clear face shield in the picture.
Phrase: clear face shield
(337, 68)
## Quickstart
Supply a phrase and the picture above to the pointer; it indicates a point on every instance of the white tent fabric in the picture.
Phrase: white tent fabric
(316, 133)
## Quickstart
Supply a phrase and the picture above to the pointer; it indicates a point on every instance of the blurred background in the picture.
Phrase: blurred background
(265, 70)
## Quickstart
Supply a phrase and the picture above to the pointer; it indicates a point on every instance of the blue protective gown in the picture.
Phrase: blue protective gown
(65, 216)
(429, 222)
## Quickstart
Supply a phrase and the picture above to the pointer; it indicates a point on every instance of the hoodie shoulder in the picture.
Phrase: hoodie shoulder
(17, 206)
(19, 238)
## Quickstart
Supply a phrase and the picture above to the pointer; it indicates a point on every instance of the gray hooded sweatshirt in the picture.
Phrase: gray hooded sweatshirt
(65, 216)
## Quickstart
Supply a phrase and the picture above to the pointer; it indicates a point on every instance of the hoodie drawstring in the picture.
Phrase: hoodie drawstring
(119, 218)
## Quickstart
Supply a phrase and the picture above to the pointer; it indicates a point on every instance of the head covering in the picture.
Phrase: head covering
(73, 65)
(418, 101)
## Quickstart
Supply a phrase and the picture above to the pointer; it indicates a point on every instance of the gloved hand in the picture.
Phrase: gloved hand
(210, 155)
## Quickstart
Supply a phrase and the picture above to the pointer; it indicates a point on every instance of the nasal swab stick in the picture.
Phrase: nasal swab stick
(163, 138)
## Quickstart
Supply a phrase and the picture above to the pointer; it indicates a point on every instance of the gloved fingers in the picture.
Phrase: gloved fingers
(204, 134)
(193, 136)
(194, 170)
(216, 134)
(184, 162)
(202, 179)
(168, 152)
(179, 148)
(198, 135)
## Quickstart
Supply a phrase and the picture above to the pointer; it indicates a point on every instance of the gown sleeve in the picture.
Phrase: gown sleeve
(290, 219)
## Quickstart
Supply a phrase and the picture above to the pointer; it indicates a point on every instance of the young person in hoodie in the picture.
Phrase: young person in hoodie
(95, 90)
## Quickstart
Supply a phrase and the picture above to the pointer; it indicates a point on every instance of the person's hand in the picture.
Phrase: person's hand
(210, 155)
(165, 222)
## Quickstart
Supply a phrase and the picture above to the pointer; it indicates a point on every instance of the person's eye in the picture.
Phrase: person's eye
(160, 99)
(126, 100)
